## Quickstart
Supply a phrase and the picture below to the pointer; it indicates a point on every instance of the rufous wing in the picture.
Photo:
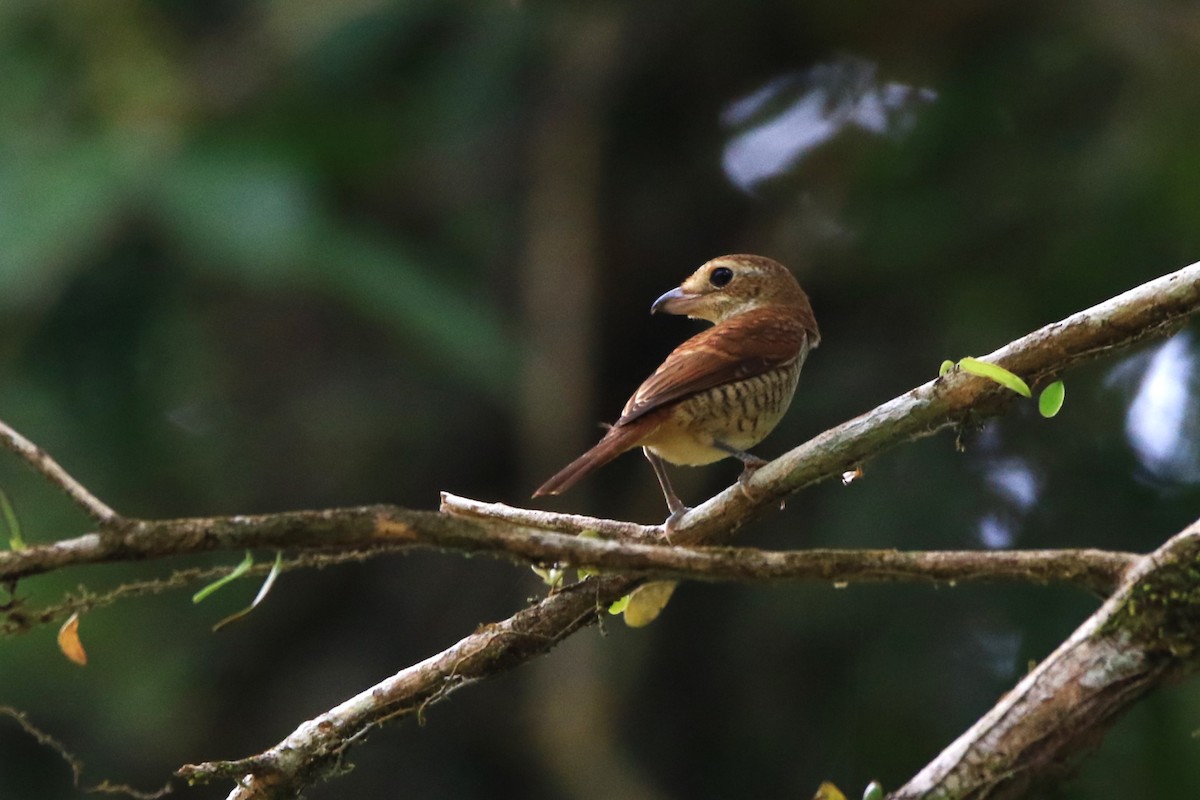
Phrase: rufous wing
(740, 348)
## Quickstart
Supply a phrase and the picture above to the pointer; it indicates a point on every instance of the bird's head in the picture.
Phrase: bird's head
(732, 285)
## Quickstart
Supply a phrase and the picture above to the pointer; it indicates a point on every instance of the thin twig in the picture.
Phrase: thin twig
(41, 461)
(19, 618)
(76, 765)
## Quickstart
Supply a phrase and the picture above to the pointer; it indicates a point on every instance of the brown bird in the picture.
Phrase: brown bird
(723, 390)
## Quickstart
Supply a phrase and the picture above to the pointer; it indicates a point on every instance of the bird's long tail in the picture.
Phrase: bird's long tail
(619, 439)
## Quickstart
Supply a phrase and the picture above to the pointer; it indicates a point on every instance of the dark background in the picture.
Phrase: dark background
(272, 255)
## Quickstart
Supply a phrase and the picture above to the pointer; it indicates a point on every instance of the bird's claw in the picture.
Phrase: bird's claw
(744, 479)
(673, 521)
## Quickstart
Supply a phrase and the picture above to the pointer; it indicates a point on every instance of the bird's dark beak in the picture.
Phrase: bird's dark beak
(676, 301)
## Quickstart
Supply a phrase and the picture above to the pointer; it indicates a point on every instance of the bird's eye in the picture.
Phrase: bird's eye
(720, 276)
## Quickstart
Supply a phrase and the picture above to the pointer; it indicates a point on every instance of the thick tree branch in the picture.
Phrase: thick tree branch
(1145, 634)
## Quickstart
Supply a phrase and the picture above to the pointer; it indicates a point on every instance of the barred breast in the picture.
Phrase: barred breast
(738, 414)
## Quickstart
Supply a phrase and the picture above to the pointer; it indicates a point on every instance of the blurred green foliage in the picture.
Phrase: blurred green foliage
(269, 255)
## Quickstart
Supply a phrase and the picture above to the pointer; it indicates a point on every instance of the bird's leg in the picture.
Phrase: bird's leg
(751, 462)
(674, 504)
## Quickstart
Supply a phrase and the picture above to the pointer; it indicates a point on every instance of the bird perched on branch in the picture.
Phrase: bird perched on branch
(723, 390)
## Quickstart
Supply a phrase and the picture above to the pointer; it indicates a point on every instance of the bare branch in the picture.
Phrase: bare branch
(390, 528)
(41, 461)
(75, 764)
(1144, 635)
(547, 520)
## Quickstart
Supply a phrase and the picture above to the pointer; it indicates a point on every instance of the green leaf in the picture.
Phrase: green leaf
(276, 569)
(619, 606)
(238, 571)
(647, 601)
(1050, 401)
(828, 791)
(873, 792)
(15, 541)
(947, 365)
(996, 373)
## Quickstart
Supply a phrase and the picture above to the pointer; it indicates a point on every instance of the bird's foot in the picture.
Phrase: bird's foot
(748, 473)
(672, 522)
